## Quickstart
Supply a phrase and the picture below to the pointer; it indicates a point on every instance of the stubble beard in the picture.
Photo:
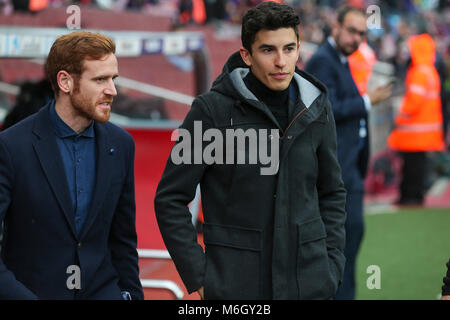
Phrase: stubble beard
(86, 109)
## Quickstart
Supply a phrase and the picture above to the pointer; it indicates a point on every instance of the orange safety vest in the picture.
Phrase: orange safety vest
(361, 63)
(37, 5)
(198, 11)
(418, 125)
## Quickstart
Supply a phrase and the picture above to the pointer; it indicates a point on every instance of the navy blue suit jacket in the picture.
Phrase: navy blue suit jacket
(40, 241)
(348, 109)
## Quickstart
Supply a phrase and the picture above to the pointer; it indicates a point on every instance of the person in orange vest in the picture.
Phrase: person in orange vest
(418, 125)
(38, 5)
(191, 11)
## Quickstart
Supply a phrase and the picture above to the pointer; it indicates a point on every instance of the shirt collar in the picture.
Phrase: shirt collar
(342, 57)
(62, 130)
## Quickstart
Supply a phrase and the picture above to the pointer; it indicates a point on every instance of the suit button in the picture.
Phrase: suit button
(79, 244)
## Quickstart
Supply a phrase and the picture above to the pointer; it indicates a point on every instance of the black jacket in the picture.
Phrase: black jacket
(277, 236)
(446, 286)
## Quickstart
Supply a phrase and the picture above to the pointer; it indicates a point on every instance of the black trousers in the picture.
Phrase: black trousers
(412, 186)
(354, 231)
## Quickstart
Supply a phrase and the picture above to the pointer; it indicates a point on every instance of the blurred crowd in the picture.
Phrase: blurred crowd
(399, 19)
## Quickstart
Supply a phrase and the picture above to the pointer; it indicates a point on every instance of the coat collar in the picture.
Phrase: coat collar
(342, 58)
(333, 53)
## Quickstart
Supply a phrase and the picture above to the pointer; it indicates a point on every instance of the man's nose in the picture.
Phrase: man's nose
(280, 60)
(111, 88)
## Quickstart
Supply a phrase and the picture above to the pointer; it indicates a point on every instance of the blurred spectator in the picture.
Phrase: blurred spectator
(6, 7)
(215, 10)
(330, 64)
(191, 11)
(31, 98)
(21, 5)
(418, 125)
(30, 5)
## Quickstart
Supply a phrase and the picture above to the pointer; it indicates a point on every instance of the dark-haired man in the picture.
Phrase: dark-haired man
(268, 234)
(329, 64)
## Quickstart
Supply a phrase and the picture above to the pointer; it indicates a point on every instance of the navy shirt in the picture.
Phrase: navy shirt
(78, 154)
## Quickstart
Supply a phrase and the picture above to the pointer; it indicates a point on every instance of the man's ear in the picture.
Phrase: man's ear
(65, 81)
(246, 56)
(335, 29)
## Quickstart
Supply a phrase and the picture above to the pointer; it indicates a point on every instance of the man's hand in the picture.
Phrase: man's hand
(445, 297)
(201, 293)
(380, 93)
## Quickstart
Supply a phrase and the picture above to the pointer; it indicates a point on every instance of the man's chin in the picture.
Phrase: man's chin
(350, 51)
(102, 118)
(279, 86)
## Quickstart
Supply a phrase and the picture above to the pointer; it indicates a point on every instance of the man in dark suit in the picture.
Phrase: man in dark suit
(67, 186)
(330, 65)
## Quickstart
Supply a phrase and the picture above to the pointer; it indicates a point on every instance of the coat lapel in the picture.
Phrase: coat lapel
(105, 166)
(49, 156)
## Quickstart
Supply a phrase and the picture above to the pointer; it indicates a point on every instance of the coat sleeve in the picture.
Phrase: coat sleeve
(446, 286)
(175, 191)
(123, 237)
(332, 196)
(343, 108)
(10, 287)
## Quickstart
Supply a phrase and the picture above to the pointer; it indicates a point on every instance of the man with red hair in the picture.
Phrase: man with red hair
(67, 186)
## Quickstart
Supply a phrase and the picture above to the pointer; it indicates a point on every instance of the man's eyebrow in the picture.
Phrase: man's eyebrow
(271, 46)
(105, 76)
(265, 46)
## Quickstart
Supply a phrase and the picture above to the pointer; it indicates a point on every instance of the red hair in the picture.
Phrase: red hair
(69, 51)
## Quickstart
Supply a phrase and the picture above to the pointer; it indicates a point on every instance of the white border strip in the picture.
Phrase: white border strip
(153, 254)
(154, 90)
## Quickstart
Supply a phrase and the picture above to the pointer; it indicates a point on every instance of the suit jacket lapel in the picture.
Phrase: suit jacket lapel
(49, 156)
(333, 52)
(104, 167)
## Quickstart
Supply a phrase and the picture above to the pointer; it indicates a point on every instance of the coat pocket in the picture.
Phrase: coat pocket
(314, 278)
(232, 262)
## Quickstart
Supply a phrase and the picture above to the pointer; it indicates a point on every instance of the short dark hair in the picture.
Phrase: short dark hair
(269, 16)
(344, 10)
